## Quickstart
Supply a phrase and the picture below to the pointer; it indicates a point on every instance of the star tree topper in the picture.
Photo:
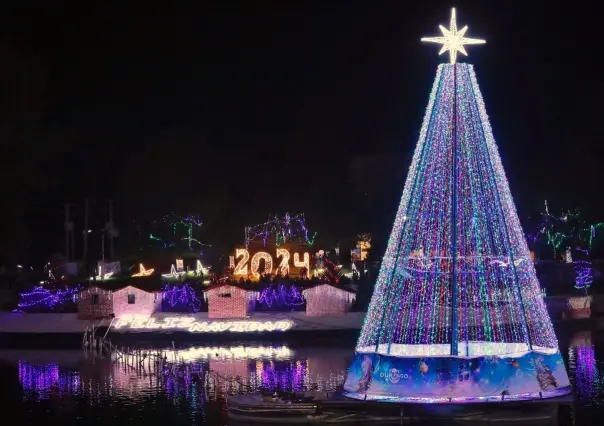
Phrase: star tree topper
(453, 40)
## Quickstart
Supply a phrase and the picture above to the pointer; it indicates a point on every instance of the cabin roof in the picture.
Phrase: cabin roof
(243, 286)
(314, 285)
(148, 284)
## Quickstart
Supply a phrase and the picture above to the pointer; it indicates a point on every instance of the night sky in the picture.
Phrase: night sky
(235, 112)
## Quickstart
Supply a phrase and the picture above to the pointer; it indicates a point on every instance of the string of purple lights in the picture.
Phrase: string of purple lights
(287, 228)
(41, 297)
(180, 298)
(583, 274)
(281, 296)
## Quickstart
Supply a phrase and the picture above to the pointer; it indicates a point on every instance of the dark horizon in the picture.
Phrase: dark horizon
(235, 113)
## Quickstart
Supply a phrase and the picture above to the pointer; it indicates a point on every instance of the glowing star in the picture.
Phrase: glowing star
(199, 269)
(453, 40)
(173, 273)
(142, 272)
(100, 276)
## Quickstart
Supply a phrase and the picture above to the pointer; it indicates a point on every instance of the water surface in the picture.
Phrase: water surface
(75, 387)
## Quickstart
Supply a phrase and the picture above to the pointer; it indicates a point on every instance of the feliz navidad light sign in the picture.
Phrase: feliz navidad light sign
(239, 263)
(191, 325)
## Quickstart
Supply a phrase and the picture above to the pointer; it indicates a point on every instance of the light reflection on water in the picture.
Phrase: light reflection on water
(586, 372)
(196, 394)
(229, 370)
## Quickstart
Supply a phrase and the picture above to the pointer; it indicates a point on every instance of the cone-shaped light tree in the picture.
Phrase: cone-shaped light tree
(456, 314)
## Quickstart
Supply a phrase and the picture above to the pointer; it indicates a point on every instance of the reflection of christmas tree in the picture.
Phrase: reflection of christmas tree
(457, 279)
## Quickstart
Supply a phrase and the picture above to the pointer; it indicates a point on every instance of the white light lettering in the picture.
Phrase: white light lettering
(240, 268)
(193, 326)
(255, 264)
(284, 265)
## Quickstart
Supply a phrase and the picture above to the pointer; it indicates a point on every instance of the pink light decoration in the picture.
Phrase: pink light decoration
(229, 301)
(145, 303)
(95, 302)
(579, 307)
(326, 300)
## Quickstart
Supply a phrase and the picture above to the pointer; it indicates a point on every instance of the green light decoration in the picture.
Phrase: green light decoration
(570, 234)
(176, 222)
(566, 230)
(283, 229)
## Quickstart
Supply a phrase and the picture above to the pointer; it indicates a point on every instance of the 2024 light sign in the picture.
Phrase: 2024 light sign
(239, 263)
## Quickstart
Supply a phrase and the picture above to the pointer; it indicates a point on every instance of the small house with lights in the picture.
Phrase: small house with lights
(230, 300)
(134, 297)
(325, 300)
(95, 302)
(133, 301)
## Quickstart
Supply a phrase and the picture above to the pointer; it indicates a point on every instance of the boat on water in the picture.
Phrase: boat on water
(334, 408)
(300, 408)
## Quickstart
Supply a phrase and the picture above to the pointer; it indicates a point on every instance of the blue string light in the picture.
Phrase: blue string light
(49, 299)
(281, 296)
(180, 298)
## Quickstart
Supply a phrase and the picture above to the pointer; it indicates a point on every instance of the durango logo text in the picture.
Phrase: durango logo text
(394, 376)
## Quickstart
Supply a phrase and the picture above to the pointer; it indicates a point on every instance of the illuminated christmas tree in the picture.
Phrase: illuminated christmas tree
(457, 314)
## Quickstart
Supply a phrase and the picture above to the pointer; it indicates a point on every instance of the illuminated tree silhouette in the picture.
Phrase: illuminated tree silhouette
(457, 295)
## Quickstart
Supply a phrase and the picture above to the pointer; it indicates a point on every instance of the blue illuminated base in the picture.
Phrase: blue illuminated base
(383, 378)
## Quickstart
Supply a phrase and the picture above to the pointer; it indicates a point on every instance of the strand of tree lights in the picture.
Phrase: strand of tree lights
(284, 229)
(415, 309)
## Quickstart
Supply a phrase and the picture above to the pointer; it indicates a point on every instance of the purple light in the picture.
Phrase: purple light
(457, 279)
(281, 296)
(180, 298)
(587, 375)
(41, 297)
(583, 274)
(46, 380)
(287, 228)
